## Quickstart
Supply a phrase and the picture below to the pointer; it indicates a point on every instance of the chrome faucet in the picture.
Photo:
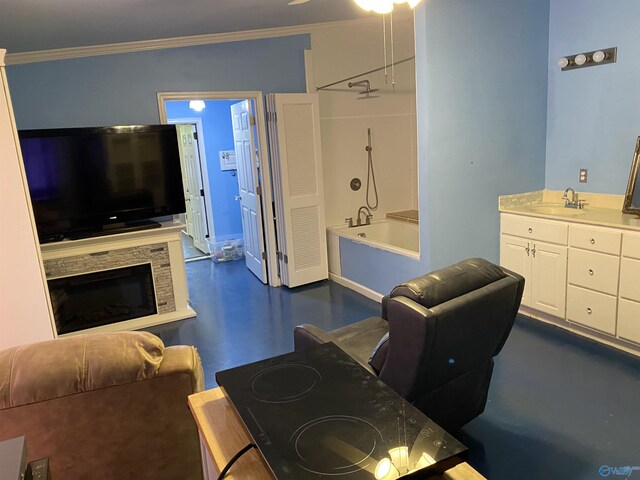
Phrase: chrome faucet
(368, 216)
(574, 202)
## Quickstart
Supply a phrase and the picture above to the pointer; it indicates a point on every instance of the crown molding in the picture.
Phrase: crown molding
(177, 42)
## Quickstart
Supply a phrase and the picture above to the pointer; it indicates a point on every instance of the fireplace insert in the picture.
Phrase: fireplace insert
(101, 298)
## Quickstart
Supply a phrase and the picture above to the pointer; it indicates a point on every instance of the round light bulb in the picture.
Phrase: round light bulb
(382, 6)
(598, 56)
(413, 3)
(385, 470)
(581, 59)
(364, 4)
(563, 62)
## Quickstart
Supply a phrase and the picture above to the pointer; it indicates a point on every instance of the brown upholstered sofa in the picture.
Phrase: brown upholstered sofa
(104, 406)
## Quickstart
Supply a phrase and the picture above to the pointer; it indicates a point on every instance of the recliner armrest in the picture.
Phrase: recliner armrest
(408, 331)
(306, 336)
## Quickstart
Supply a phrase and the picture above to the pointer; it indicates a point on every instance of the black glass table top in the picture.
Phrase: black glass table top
(318, 413)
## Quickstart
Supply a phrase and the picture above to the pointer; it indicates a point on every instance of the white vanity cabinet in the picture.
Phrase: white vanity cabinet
(581, 276)
(537, 250)
(592, 274)
(629, 295)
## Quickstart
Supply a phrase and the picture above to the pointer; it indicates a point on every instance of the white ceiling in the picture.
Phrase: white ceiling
(29, 25)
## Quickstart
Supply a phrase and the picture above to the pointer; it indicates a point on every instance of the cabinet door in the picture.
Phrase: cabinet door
(515, 254)
(629, 320)
(548, 278)
(630, 279)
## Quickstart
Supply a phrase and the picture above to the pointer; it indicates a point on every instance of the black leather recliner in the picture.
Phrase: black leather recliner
(436, 339)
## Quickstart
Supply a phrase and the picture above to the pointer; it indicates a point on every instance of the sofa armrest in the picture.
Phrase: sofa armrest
(308, 336)
(183, 359)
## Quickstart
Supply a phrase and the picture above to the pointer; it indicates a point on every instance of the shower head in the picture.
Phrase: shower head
(367, 88)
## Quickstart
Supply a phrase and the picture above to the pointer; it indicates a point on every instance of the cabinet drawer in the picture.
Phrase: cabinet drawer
(629, 320)
(630, 279)
(595, 239)
(535, 229)
(631, 245)
(596, 271)
(591, 309)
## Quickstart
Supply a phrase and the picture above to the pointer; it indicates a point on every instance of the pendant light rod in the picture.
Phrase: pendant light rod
(365, 73)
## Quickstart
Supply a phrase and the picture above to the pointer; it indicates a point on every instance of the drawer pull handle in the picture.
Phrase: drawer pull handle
(592, 241)
(527, 249)
(531, 230)
(588, 310)
(591, 272)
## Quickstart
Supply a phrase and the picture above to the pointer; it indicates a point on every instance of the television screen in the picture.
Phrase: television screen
(88, 178)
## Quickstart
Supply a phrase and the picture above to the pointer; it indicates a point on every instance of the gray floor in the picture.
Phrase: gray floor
(560, 406)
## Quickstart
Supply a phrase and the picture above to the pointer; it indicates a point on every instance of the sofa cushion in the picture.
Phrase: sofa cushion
(447, 283)
(28, 374)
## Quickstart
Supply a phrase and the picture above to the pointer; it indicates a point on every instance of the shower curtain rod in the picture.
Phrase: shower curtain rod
(364, 73)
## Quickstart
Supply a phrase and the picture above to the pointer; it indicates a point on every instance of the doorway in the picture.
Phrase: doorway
(233, 172)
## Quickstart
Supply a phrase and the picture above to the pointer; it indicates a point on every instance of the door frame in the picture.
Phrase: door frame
(266, 198)
(204, 169)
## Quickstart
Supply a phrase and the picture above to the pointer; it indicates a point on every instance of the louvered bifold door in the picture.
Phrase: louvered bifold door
(277, 187)
(298, 165)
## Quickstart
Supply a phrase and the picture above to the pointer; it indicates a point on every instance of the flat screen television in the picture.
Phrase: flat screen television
(93, 181)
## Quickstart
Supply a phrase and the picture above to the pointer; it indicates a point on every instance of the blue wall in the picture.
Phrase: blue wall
(223, 184)
(481, 71)
(121, 89)
(594, 113)
(482, 119)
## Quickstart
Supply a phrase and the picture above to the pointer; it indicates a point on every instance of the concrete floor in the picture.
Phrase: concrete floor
(559, 407)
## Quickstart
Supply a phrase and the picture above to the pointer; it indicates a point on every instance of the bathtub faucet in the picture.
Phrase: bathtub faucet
(367, 216)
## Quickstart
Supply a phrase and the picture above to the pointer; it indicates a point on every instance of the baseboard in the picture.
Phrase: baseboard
(356, 287)
(614, 342)
(138, 323)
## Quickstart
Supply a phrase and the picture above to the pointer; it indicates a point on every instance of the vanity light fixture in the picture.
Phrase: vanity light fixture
(588, 59)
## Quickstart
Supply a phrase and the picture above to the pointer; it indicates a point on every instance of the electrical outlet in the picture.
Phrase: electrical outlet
(584, 175)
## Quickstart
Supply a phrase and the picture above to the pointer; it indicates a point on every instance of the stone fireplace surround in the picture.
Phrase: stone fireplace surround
(161, 247)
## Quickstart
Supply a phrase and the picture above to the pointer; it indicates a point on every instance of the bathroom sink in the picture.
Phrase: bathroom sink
(556, 210)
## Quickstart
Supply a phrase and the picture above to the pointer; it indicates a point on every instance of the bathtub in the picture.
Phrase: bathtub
(372, 259)
(391, 235)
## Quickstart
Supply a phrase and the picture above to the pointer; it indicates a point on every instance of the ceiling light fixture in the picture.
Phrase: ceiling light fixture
(383, 6)
(197, 105)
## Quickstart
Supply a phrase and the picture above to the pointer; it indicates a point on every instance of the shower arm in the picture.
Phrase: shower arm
(364, 73)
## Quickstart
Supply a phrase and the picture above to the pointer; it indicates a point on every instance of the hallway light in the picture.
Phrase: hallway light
(197, 105)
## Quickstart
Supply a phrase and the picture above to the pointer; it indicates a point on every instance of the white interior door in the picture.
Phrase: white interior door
(248, 186)
(193, 189)
(299, 196)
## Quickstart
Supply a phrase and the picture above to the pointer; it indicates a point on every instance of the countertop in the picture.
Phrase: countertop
(606, 217)
(601, 209)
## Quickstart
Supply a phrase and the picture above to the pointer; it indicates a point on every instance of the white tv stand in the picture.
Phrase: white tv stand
(160, 248)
